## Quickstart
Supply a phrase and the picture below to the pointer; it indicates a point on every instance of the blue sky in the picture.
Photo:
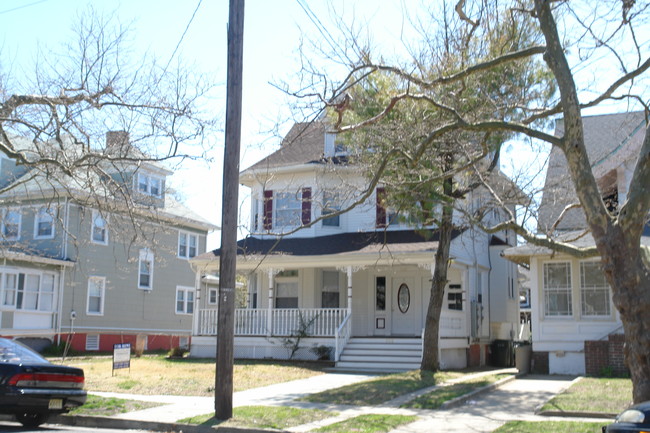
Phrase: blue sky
(273, 32)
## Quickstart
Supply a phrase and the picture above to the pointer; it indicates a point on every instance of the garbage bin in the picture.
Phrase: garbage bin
(501, 353)
(523, 354)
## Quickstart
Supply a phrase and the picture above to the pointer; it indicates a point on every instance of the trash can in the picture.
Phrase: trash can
(501, 353)
(523, 353)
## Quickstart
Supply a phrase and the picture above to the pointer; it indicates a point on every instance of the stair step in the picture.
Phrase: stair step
(372, 359)
(383, 352)
(381, 355)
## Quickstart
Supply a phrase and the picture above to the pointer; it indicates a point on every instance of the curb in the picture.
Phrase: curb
(595, 415)
(128, 424)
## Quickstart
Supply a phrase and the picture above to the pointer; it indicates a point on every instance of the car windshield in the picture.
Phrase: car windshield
(11, 351)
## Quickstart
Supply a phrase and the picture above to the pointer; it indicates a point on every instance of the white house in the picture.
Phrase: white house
(358, 283)
(575, 327)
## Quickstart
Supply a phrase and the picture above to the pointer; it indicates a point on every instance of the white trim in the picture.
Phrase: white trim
(20, 223)
(188, 243)
(148, 181)
(95, 215)
(92, 342)
(37, 220)
(146, 256)
(102, 296)
(186, 290)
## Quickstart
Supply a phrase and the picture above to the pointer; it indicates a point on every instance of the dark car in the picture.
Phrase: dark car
(31, 388)
(635, 419)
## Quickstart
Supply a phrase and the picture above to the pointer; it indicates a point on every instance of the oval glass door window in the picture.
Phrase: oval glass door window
(403, 298)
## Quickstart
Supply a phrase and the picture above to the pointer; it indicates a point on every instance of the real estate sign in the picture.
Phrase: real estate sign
(121, 356)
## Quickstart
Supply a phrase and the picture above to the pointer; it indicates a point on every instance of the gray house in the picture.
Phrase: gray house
(97, 259)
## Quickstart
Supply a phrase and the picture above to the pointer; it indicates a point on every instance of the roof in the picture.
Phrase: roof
(303, 144)
(610, 139)
(578, 238)
(397, 241)
(32, 256)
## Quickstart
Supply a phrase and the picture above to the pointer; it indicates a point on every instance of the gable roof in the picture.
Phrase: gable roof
(611, 140)
(303, 144)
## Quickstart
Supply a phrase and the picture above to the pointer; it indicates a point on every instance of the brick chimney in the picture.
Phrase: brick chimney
(118, 140)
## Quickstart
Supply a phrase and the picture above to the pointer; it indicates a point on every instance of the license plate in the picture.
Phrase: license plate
(55, 403)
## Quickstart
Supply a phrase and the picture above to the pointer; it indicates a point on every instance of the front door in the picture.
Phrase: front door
(405, 308)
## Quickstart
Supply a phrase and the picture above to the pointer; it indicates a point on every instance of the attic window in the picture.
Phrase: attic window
(149, 184)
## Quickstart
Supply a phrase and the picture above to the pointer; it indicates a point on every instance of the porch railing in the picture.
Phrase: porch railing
(342, 336)
(316, 322)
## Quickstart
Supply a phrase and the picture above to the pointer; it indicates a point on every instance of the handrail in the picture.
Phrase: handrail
(338, 344)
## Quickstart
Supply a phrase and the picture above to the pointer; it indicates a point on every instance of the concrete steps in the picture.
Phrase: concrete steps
(381, 355)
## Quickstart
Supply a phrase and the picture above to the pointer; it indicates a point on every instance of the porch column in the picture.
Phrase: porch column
(269, 316)
(349, 271)
(198, 308)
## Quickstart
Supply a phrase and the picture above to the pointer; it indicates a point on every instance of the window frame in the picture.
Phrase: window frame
(188, 236)
(149, 180)
(294, 214)
(95, 216)
(585, 289)
(331, 204)
(41, 212)
(547, 290)
(186, 291)
(4, 224)
(289, 277)
(454, 300)
(146, 256)
(102, 295)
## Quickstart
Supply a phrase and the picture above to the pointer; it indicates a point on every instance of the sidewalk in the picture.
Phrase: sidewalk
(515, 400)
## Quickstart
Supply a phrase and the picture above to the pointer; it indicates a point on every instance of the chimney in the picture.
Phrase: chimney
(117, 140)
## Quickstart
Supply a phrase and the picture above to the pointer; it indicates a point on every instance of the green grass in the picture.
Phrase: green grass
(550, 427)
(436, 398)
(276, 417)
(603, 395)
(382, 389)
(368, 424)
(101, 406)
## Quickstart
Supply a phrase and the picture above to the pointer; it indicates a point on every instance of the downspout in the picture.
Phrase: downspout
(59, 307)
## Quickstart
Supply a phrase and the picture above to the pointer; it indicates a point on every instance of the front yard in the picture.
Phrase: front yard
(152, 375)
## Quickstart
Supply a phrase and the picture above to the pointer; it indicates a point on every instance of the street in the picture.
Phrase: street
(10, 427)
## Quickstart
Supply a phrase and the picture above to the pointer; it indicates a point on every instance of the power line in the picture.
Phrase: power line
(22, 7)
(180, 41)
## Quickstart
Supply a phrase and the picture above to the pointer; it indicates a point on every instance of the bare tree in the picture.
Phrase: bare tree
(577, 41)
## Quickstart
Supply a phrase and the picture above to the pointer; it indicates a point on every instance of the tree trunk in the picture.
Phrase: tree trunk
(430, 359)
(629, 278)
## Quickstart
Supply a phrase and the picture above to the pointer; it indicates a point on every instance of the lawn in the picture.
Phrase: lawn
(550, 427)
(604, 395)
(436, 398)
(382, 389)
(370, 423)
(100, 406)
(150, 375)
(274, 417)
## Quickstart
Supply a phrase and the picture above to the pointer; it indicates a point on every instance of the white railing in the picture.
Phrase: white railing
(341, 337)
(316, 322)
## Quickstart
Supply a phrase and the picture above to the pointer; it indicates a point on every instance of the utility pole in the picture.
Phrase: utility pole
(228, 259)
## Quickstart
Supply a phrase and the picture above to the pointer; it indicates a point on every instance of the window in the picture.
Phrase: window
(11, 224)
(557, 289)
(288, 210)
(44, 223)
(145, 274)
(380, 294)
(187, 245)
(286, 286)
(213, 296)
(331, 204)
(150, 185)
(184, 300)
(9, 288)
(594, 290)
(96, 290)
(330, 293)
(99, 233)
(29, 291)
(455, 297)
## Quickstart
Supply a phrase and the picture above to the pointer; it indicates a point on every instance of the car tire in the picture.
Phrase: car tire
(31, 419)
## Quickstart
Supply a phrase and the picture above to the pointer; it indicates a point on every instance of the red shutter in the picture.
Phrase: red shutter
(268, 210)
(306, 206)
(380, 220)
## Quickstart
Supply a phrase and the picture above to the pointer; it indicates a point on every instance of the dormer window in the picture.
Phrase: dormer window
(150, 184)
